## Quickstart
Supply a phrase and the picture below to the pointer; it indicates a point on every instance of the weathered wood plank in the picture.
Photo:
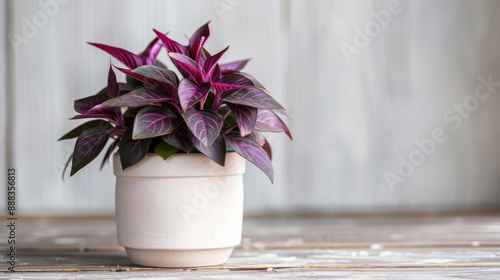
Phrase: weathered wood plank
(353, 231)
(294, 273)
(280, 247)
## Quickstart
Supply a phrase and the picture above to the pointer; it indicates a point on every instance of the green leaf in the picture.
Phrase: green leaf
(165, 150)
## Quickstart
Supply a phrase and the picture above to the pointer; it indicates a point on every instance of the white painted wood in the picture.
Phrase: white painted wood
(351, 120)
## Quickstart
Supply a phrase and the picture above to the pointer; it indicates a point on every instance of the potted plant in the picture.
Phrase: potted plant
(182, 145)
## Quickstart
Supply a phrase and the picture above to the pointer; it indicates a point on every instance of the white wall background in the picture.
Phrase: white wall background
(352, 119)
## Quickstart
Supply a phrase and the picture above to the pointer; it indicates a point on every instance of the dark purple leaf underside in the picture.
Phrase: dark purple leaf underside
(268, 121)
(114, 90)
(187, 67)
(210, 65)
(245, 117)
(80, 129)
(132, 151)
(216, 151)
(251, 96)
(197, 40)
(190, 93)
(180, 138)
(88, 145)
(248, 148)
(148, 56)
(70, 158)
(100, 111)
(109, 152)
(233, 66)
(146, 80)
(129, 59)
(138, 97)
(154, 121)
(205, 125)
(83, 105)
(113, 87)
(171, 45)
(268, 149)
(157, 73)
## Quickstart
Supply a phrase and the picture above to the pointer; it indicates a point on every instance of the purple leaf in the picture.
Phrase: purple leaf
(259, 137)
(154, 121)
(88, 145)
(137, 98)
(100, 111)
(236, 79)
(250, 96)
(171, 45)
(245, 117)
(148, 56)
(268, 121)
(230, 67)
(248, 148)
(129, 59)
(187, 67)
(114, 91)
(210, 65)
(158, 73)
(146, 80)
(202, 56)
(110, 150)
(190, 93)
(251, 78)
(70, 158)
(198, 39)
(132, 151)
(83, 105)
(232, 81)
(204, 124)
(113, 86)
(267, 148)
(180, 138)
(216, 151)
(78, 130)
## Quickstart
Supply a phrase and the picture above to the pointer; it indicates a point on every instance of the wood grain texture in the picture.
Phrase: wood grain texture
(278, 247)
(351, 120)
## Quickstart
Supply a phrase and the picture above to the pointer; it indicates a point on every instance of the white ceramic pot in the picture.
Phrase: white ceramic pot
(182, 212)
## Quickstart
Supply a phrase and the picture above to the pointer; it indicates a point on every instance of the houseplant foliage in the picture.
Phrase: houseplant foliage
(211, 107)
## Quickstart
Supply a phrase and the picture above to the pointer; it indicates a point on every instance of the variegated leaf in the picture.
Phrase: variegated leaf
(190, 93)
(250, 96)
(215, 151)
(245, 117)
(152, 121)
(248, 148)
(268, 121)
(205, 125)
(137, 98)
(88, 146)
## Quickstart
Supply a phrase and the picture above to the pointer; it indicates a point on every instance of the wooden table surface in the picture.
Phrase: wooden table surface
(403, 246)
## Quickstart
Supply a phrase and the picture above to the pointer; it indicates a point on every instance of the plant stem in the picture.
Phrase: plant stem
(175, 106)
(231, 128)
(216, 105)
(227, 114)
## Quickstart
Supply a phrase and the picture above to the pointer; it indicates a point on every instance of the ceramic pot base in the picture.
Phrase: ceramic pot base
(179, 258)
